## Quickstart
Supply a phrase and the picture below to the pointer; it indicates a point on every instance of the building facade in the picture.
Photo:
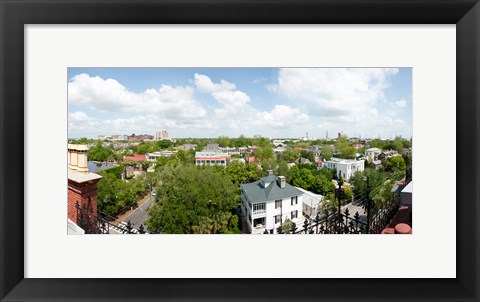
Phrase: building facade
(372, 154)
(268, 202)
(311, 203)
(211, 158)
(345, 167)
(155, 155)
(82, 190)
(161, 135)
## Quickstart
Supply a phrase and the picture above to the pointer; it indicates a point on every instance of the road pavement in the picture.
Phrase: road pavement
(139, 215)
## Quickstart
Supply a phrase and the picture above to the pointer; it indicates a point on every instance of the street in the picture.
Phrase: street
(139, 215)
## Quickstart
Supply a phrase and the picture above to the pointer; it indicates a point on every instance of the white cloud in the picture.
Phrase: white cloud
(282, 116)
(352, 100)
(236, 112)
(78, 116)
(111, 96)
(139, 124)
(204, 84)
(312, 99)
(333, 92)
(401, 104)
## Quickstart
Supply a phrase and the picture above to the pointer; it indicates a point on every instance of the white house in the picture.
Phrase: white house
(211, 158)
(372, 153)
(268, 202)
(311, 203)
(345, 167)
(153, 156)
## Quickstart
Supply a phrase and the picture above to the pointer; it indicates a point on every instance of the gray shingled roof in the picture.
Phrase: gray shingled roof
(256, 192)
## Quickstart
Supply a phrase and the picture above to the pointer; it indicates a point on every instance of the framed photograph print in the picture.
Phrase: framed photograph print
(239, 150)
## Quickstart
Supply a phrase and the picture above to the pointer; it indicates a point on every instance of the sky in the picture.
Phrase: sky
(213, 102)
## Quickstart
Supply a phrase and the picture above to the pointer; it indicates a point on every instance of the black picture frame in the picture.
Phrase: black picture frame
(15, 14)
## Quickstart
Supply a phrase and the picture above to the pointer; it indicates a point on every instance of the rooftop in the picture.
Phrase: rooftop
(408, 188)
(268, 188)
(136, 157)
(82, 177)
(343, 161)
(402, 216)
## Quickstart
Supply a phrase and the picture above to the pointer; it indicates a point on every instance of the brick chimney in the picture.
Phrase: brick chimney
(82, 185)
(282, 181)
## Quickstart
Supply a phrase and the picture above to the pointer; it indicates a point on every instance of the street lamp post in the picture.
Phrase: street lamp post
(339, 194)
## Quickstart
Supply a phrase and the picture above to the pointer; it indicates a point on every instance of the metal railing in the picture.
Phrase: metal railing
(101, 222)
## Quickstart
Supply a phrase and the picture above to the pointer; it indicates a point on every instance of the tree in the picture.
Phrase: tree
(396, 164)
(290, 155)
(384, 198)
(98, 153)
(321, 185)
(106, 199)
(142, 148)
(282, 169)
(160, 163)
(243, 173)
(307, 155)
(241, 141)
(287, 226)
(345, 148)
(327, 152)
(223, 141)
(164, 144)
(359, 180)
(264, 153)
(193, 200)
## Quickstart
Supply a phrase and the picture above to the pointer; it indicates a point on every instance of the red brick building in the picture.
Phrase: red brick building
(82, 189)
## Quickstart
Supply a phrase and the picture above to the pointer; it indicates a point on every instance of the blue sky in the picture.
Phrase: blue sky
(209, 102)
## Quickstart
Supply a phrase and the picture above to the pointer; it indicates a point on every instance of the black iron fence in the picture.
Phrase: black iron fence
(101, 223)
(344, 223)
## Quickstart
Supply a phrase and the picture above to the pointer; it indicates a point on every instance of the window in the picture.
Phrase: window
(258, 208)
(294, 214)
(278, 204)
(294, 200)
(278, 218)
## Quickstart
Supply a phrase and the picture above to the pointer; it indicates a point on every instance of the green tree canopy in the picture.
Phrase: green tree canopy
(345, 148)
(164, 144)
(290, 155)
(264, 153)
(396, 164)
(327, 152)
(193, 200)
(243, 173)
(99, 153)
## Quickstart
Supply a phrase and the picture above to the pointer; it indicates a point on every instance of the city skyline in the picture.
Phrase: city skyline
(212, 102)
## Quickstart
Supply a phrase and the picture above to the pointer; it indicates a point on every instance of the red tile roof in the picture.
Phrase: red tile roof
(138, 157)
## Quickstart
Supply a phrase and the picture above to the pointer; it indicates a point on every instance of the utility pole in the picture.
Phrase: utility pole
(368, 205)
(339, 193)
(340, 183)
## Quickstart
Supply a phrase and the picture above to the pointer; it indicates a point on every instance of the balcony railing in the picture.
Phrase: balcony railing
(258, 212)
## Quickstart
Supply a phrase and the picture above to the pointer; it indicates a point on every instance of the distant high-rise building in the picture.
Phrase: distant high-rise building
(160, 135)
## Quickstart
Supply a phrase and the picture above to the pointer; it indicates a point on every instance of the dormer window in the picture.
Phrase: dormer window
(265, 184)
